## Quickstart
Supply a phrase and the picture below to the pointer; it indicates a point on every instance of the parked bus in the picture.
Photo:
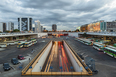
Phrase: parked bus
(34, 41)
(28, 44)
(2, 45)
(98, 46)
(20, 45)
(87, 42)
(10, 42)
(110, 50)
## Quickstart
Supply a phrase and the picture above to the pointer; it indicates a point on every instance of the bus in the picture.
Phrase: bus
(111, 51)
(20, 44)
(10, 42)
(28, 44)
(34, 41)
(2, 45)
(87, 42)
(98, 46)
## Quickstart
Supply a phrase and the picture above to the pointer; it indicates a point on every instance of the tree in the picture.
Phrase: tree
(84, 35)
(16, 30)
(7, 31)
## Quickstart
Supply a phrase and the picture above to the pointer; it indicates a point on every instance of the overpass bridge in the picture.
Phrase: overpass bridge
(14, 36)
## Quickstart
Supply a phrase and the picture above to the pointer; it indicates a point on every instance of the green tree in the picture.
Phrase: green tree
(7, 31)
(16, 30)
(84, 35)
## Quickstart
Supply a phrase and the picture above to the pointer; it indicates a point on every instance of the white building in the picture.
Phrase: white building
(10, 26)
(2, 27)
(25, 24)
(37, 26)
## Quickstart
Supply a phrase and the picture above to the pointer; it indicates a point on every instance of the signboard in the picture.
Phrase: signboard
(61, 67)
(51, 67)
(40, 67)
(30, 67)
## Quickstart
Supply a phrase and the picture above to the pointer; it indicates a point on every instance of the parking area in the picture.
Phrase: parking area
(6, 54)
(104, 63)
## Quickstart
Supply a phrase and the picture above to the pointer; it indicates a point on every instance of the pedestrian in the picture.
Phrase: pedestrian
(32, 51)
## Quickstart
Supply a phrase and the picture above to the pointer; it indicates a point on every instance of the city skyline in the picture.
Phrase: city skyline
(67, 15)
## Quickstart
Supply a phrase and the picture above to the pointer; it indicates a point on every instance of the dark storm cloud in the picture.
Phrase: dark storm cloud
(61, 12)
(44, 4)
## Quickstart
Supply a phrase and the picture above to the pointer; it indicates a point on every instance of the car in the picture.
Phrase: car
(21, 57)
(14, 61)
(6, 67)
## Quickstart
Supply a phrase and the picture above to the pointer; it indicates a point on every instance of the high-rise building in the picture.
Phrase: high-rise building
(54, 27)
(25, 24)
(33, 27)
(41, 28)
(2, 26)
(10, 26)
(37, 26)
(44, 28)
(111, 26)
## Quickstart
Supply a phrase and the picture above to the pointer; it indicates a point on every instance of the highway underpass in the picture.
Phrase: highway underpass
(57, 58)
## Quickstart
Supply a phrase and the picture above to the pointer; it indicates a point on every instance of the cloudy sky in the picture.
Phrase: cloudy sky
(66, 14)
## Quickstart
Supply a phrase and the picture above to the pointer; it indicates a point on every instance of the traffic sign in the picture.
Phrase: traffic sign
(20, 67)
(30, 67)
(51, 67)
(61, 67)
(81, 68)
(71, 67)
(86, 67)
(40, 67)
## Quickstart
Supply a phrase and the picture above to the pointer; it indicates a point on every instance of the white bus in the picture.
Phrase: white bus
(34, 41)
(2, 45)
(28, 44)
(10, 42)
(110, 50)
(98, 46)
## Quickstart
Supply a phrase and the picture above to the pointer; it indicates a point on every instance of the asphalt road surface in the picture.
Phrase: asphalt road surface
(105, 64)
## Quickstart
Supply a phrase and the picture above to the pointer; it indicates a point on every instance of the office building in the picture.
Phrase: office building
(44, 28)
(33, 27)
(111, 26)
(2, 27)
(10, 26)
(54, 27)
(41, 28)
(25, 24)
(37, 26)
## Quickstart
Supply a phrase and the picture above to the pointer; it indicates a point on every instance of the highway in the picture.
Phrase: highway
(58, 60)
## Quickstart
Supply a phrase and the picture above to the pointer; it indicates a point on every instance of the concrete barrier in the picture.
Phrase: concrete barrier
(72, 59)
(41, 61)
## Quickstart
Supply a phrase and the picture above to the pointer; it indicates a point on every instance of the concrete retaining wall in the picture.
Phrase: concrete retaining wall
(73, 61)
(42, 60)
